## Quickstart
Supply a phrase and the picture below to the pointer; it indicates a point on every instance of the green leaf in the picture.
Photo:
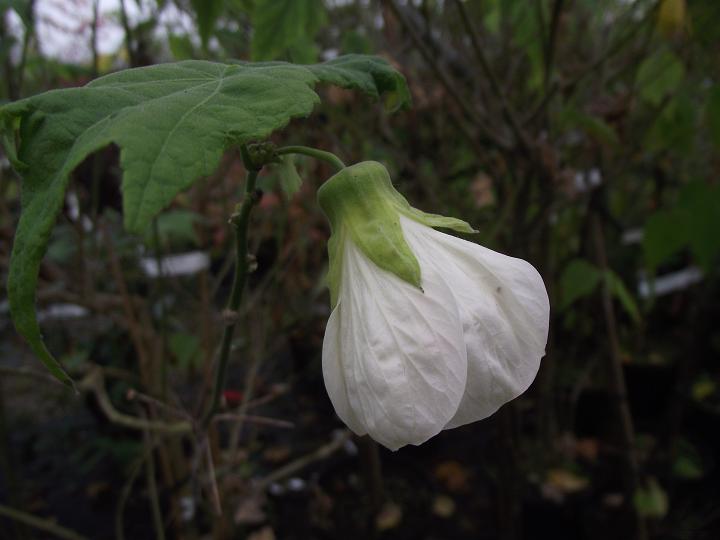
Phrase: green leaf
(595, 127)
(174, 227)
(651, 500)
(290, 180)
(692, 224)
(579, 279)
(712, 113)
(172, 123)
(281, 25)
(664, 235)
(674, 129)
(370, 74)
(688, 463)
(207, 13)
(22, 7)
(700, 204)
(659, 75)
(186, 348)
(619, 291)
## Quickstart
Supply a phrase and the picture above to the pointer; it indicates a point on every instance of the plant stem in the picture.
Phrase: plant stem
(617, 378)
(372, 473)
(157, 516)
(240, 221)
(313, 152)
(39, 523)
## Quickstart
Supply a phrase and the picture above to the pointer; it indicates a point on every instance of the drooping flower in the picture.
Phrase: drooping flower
(427, 331)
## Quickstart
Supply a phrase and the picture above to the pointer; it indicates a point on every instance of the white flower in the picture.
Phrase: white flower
(428, 331)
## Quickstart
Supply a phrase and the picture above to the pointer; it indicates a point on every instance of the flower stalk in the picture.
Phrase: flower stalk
(313, 152)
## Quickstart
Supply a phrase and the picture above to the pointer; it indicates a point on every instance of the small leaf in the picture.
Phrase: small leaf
(671, 17)
(185, 348)
(290, 180)
(595, 127)
(664, 235)
(369, 74)
(618, 290)
(651, 501)
(659, 75)
(674, 129)
(688, 463)
(712, 113)
(579, 279)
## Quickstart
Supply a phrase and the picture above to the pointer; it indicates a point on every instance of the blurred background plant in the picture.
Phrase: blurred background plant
(581, 135)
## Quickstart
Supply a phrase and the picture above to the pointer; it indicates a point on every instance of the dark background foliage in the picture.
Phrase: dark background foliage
(581, 135)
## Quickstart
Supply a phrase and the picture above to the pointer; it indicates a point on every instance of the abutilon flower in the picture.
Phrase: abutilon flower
(427, 331)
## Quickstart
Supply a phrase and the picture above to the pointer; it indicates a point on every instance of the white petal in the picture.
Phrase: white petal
(333, 373)
(505, 312)
(402, 353)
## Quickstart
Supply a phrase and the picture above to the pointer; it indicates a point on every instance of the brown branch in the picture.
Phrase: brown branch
(509, 114)
(39, 523)
(263, 420)
(617, 376)
(445, 80)
(94, 382)
(552, 39)
(302, 462)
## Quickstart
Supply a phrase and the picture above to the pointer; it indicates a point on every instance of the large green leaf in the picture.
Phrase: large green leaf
(282, 27)
(659, 75)
(712, 112)
(172, 123)
(693, 223)
(579, 279)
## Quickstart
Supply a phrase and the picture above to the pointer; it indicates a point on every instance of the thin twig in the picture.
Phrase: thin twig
(302, 462)
(40, 523)
(212, 480)
(128, 35)
(508, 112)
(31, 373)
(617, 376)
(133, 394)
(125, 493)
(94, 40)
(555, 87)
(158, 522)
(29, 32)
(263, 420)
(94, 382)
(551, 46)
(444, 78)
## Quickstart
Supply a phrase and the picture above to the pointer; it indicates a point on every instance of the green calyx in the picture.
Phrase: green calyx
(362, 205)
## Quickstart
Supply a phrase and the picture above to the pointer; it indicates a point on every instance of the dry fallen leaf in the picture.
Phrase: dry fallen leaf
(266, 533)
(250, 510)
(443, 506)
(453, 476)
(389, 517)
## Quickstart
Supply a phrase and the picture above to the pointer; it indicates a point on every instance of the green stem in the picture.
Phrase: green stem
(240, 221)
(313, 152)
